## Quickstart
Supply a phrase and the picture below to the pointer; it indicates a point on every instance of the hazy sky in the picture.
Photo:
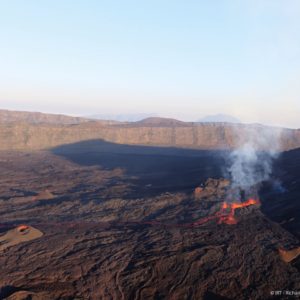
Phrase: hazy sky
(183, 59)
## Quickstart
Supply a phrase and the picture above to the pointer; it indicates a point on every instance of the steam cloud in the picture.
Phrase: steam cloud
(251, 163)
(249, 167)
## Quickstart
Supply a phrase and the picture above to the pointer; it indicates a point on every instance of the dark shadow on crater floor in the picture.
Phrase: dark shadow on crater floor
(281, 195)
(155, 170)
(150, 170)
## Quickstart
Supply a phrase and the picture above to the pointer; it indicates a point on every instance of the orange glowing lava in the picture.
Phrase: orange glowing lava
(230, 218)
(224, 205)
(226, 214)
(244, 204)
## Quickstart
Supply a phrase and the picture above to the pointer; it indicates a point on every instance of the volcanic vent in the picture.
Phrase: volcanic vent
(221, 192)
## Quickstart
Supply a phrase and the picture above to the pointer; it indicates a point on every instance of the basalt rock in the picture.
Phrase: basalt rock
(212, 188)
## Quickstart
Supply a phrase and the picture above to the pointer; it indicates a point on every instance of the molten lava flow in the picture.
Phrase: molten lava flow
(229, 218)
(226, 213)
(244, 204)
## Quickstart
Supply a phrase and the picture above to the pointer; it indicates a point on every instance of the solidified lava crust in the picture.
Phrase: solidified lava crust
(115, 230)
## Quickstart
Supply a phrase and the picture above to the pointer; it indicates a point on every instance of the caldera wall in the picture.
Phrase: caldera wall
(25, 136)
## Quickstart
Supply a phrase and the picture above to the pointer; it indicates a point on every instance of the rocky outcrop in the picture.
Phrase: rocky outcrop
(44, 195)
(289, 255)
(212, 187)
(198, 192)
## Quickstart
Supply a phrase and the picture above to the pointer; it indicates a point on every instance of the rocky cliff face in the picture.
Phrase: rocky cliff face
(7, 116)
(25, 136)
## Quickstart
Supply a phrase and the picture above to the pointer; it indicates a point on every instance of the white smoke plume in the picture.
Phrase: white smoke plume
(251, 162)
(249, 167)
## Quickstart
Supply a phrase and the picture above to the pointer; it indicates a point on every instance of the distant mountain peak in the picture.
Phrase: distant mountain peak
(134, 117)
(157, 121)
(219, 118)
